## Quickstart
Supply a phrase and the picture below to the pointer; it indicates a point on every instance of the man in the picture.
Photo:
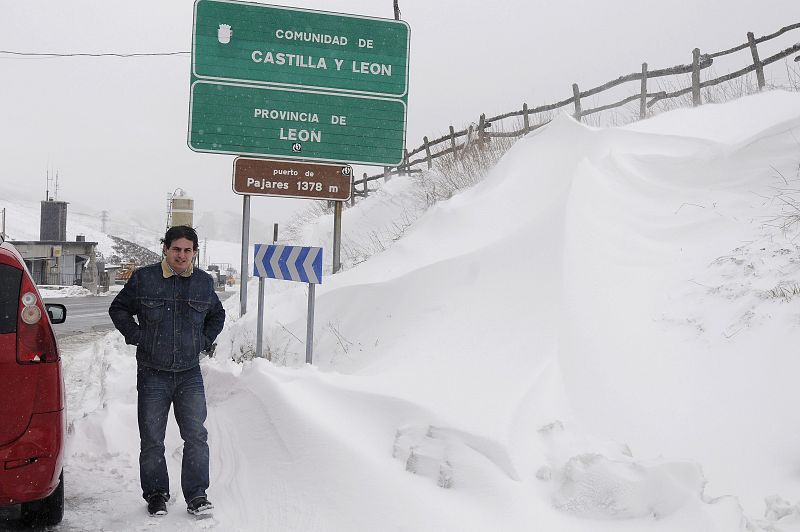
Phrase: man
(179, 315)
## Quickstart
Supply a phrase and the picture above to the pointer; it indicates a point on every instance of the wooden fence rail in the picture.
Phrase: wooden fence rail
(459, 141)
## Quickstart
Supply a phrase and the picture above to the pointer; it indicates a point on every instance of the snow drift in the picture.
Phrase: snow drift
(600, 336)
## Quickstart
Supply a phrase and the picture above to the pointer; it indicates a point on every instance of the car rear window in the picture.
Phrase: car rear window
(10, 279)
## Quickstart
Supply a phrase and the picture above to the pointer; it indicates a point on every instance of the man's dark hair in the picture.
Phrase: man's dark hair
(180, 231)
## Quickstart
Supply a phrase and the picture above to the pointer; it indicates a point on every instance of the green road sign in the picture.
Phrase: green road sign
(257, 43)
(298, 84)
(296, 124)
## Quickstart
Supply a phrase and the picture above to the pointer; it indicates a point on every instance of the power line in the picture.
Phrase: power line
(104, 54)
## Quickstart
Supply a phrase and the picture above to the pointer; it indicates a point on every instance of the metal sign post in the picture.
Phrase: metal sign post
(337, 236)
(260, 325)
(310, 326)
(291, 263)
(245, 249)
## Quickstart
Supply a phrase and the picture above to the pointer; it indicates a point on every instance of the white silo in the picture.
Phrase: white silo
(181, 209)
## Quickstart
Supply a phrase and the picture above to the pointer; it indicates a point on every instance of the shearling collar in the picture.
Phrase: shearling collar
(168, 272)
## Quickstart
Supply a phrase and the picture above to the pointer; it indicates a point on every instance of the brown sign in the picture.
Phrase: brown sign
(267, 177)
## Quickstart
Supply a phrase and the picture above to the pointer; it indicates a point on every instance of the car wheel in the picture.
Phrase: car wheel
(48, 511)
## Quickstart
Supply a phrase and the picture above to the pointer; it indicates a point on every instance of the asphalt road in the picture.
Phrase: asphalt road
(84, 315)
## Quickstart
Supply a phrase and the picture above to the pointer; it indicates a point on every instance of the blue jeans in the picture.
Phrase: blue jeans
(184, 391)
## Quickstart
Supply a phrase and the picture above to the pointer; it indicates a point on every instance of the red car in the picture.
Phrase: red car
(32, 415)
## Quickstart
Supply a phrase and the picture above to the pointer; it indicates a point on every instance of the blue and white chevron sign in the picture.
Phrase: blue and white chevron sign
(290, 263)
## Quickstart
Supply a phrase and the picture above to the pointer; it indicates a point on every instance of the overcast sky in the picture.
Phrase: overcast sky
(115, 129)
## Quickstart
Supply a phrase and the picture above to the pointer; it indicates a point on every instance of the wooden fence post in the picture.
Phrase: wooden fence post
(366, 186)
(526, 124)
(643, 99)
(428, 152)
(576, 92)
(453, 142)
(696, 77)
(756, 61)
(482, 137)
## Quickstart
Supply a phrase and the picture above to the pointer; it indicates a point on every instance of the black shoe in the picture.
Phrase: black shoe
(199, 506)
(157, 504)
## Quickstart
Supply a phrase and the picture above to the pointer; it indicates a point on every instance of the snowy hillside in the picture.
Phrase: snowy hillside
(220, 234)
(23, 219)
(601, 336)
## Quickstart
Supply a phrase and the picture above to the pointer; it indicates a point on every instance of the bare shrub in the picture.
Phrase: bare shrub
(783, 291)
(293, 232)
(357, 251)
(787, 192)
(793, 75)
(455, 172)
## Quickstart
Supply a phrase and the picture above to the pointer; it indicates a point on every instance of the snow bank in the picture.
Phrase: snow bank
(63, 291)
(584, 341)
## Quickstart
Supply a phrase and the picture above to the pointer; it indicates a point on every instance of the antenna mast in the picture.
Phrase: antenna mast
(54, 180)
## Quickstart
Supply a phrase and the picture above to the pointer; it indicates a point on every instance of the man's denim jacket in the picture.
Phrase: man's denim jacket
(178, 316)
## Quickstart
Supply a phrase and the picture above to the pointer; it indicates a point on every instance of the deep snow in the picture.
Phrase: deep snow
(589, 339)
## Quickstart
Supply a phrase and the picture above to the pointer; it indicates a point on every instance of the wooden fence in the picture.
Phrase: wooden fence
(458, 141)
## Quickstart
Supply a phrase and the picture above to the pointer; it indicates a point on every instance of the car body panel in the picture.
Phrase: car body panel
(32, 397)
(30, 466)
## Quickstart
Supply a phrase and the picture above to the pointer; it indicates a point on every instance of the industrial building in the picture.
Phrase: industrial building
(52, 260)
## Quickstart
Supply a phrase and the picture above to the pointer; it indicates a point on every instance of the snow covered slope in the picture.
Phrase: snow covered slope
(23, 213)
(601, 336)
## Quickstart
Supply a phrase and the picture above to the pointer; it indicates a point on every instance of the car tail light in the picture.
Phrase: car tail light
(35, 340)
